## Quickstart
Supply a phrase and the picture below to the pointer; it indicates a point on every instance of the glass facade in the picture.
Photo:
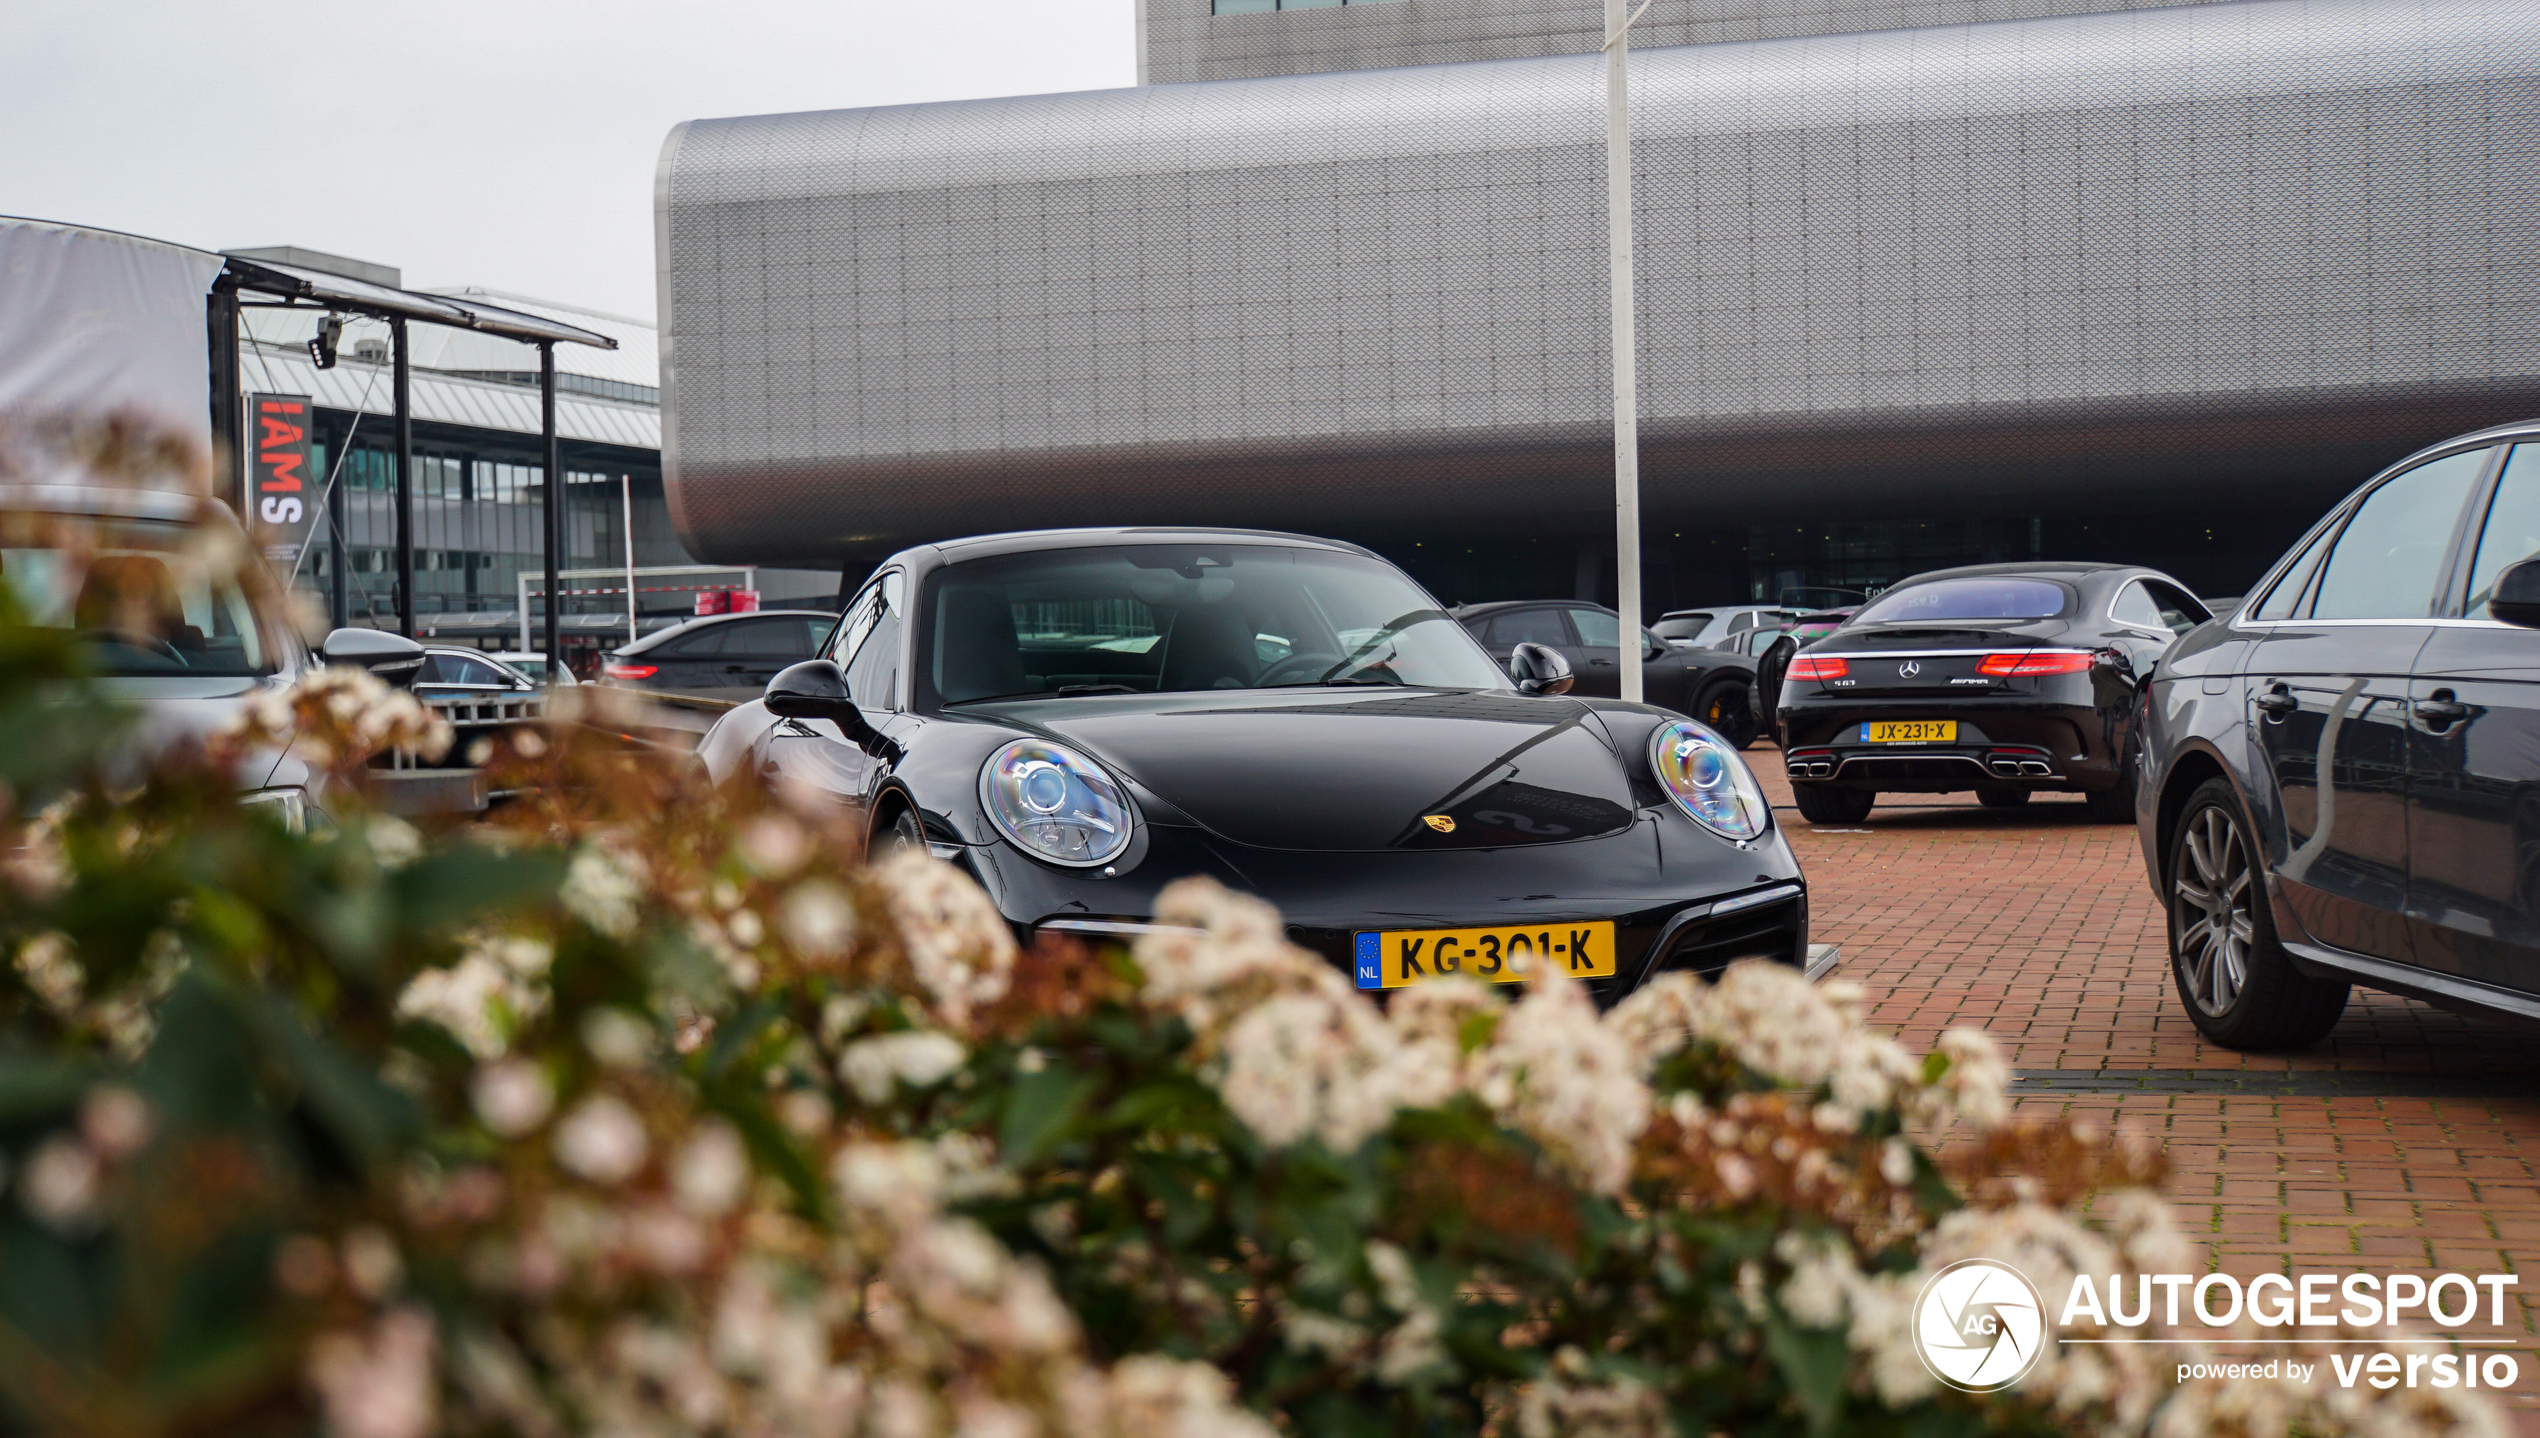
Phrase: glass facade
(478, 518)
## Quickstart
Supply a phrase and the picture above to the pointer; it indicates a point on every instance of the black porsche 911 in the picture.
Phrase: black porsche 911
(1079, 717)
(2002, 678)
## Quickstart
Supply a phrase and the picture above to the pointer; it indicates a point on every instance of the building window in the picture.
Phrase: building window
(1259, 7)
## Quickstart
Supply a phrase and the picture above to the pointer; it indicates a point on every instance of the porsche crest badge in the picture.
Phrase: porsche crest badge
(1443, 823)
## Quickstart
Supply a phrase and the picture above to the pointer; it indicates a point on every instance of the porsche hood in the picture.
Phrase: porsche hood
(1357, 770)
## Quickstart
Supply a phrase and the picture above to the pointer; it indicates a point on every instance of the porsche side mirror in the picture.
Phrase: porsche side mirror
(816, 689)
(1539, 669)
(396, 659)
(2517, 595)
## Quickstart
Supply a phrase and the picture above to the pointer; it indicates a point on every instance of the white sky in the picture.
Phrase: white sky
(505, 143)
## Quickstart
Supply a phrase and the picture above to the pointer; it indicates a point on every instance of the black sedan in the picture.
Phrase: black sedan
(722, 656)
(1078, 717)
(1712, 685)
(2000, 678)
(2342, 779)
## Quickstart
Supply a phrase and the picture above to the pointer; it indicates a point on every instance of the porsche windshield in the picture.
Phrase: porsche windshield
(1163, 618)
(143, 600)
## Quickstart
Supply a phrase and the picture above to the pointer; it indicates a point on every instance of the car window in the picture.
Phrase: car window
(2135, 607)
(459, 669)
(2180, 610)
(1186, 617)
(2385, 561)
(2511, 531)
(1597, 629)
(1528, 626)
(854, 622)
(698, 644)
(2287, 592)
(1989, 598)
(873, 675)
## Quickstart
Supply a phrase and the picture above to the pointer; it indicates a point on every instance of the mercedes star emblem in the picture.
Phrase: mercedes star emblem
(1909, 669)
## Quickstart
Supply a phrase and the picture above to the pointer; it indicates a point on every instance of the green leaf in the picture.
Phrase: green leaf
(1039, 1111)
(1812, 1363)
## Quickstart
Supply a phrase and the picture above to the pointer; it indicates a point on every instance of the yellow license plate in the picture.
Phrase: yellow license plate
(1396, 958)
(1910, 731)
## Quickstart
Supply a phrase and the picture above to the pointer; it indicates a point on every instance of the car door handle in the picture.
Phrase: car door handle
(2278, 702)
(2441, 710)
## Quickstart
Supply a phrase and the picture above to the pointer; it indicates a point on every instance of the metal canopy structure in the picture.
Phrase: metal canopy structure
(299, 287)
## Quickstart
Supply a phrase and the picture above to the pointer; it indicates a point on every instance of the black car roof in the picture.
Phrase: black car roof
(703, 621)
(1496, 606)
(2069, 570)
(981, 546)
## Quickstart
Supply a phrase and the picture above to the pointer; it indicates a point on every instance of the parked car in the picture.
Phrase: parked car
(722, 656)
(1079, 717)
(1708, 684)
(449, 671)
(1719, 626)
(532, 665)
(2001, 678)
(2342, 778)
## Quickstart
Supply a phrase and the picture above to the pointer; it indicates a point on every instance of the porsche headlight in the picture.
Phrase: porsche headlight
(1055, 804)
(1708, 780)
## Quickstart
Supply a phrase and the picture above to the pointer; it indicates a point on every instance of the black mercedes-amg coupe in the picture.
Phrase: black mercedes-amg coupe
(1078, 717)
(2001, 678)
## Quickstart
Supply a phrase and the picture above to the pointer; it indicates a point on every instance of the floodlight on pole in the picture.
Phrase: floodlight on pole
(1618, 264)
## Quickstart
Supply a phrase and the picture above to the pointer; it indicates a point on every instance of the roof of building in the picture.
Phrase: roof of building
(354, 384)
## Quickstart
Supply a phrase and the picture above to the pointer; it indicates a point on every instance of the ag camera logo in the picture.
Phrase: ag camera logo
(1979, 1325)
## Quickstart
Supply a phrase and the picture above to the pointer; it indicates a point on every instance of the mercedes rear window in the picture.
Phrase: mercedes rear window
(1951, 599)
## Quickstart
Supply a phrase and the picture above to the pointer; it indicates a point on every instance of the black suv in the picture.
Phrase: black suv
(2342, 777)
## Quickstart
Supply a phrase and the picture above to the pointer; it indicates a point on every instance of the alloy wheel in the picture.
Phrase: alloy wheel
(2212, 911)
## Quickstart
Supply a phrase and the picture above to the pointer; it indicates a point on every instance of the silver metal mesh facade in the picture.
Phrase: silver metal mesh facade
(2234, 249)
(1186, 40)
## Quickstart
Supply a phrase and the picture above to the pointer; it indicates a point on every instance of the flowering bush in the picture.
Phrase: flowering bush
(640, 1108)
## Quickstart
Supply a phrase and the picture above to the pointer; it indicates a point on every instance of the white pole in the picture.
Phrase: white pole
(626, 496)
(523, 585)
(1618, 245)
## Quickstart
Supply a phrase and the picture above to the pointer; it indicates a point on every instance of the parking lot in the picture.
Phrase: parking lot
(2409, 1139)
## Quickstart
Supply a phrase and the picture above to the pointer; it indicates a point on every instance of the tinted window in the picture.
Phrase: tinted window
(854, 622)
(2180, 610)
(1686, 626)
(782, 637)
(1187, 617)
(1597, 629)
(459, 669)
(1528, 626)
(2288, 591)
(2512, 529)
(2385, 562)
(873, 676)
(698, 644)
(2135, 607)
(1944, 599)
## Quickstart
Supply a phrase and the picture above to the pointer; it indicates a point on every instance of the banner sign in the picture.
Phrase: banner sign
(283, 487)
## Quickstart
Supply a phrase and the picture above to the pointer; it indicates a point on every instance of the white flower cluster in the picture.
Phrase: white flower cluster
(340, 714)
(1295, 1051)
(604, 887)
(498, 985)
(959, 948)
(1804, 1034)
(1568, 1403)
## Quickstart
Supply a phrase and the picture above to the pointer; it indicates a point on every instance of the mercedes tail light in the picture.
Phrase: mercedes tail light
(2041, 661)
(630, 671)
(1812, 666)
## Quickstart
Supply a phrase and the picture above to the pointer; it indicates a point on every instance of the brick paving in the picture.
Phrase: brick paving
(2039, 928)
